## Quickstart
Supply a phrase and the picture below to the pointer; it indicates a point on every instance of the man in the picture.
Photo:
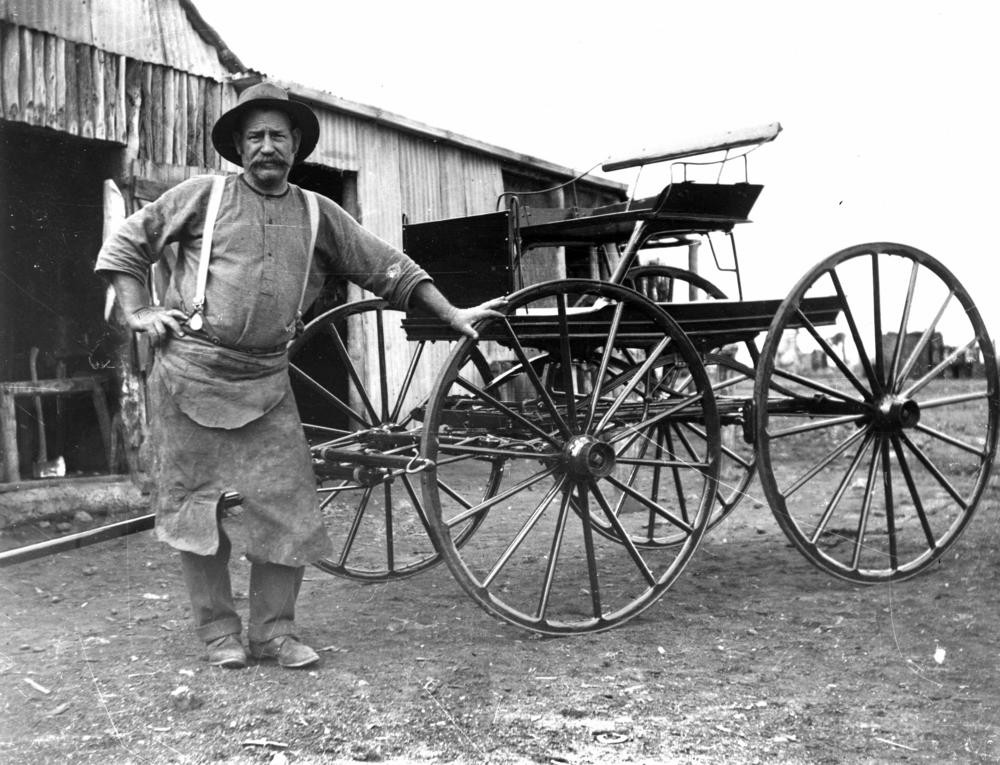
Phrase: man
(222, 414)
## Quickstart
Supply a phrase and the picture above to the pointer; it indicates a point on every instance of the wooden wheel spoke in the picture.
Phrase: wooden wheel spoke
(382, 364)
(602, 368)
(918, 349)
(418, 504)
(623, 536)
(693, 456)
(852, 325)
(918, 505)
(838, 495)
(481, 507)
(866, 503)
(554, 550)
(892, 382)
(536, 381)
(937, 369)
(404, 389)
(737, 458)
(565, 362)
(530, 522)
(961, 398)
(890, 510)
(877, 318)
(498, 404)
(390, 543)
(656, 419)
(330, 397)
(588, 543)
(631, 385)
(823, 424)
(832, 354)
(352, 533)
(980, 452)
(934, 471)
(814, 385)
(658, 510)
(814, 469)
(352, 372)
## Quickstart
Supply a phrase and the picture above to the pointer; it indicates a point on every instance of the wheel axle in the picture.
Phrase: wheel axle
(586, 456)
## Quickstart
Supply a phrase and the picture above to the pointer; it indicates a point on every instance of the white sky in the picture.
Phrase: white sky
(888, 108)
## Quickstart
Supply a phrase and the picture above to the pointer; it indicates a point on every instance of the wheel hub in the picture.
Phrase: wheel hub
(896, 413)
(586, 456)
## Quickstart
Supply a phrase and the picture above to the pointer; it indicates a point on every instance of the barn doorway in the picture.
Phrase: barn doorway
(50, 299)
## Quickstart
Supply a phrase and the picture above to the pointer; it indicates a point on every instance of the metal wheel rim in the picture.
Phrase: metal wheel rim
(398, 500)
(887, 441)
(481, 585)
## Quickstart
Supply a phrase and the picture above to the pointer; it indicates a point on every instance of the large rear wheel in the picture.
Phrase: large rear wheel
(357, 400)
(876, 436)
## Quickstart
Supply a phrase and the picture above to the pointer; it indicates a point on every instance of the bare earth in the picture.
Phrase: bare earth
(753, 656)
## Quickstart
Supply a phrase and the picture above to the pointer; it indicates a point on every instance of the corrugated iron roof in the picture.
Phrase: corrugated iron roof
(167, 32)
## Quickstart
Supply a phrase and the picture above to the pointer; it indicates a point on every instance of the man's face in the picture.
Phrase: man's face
(267, 146)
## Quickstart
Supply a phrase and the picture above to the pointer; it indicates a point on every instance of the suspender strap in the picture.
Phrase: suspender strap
(214, 200)
(312, 204)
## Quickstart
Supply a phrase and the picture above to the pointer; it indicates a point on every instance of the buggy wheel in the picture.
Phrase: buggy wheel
(732, 384)
(535, 561)
(873, 458)
(732, 380)
(374, 514)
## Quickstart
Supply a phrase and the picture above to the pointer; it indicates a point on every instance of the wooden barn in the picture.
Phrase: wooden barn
(106, 103)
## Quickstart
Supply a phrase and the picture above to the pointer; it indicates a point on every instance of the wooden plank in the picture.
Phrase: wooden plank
(195, 109)
(85, 90)
(111, 95)
(38, 77)
(38, 84)
(60, 84)
(121, 125)
(169, 107)
(133, 107)
(25, 79)
(51, 87)
(156, 117)
(72, 118)
(213, 109)
(8, 438)
(179, 106)
(145, 113)
(97, 105)
(10, 38)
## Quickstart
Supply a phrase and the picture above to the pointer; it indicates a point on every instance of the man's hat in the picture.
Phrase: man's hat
(265, 95)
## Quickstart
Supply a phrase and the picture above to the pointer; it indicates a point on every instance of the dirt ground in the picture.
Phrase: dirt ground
(752, 656)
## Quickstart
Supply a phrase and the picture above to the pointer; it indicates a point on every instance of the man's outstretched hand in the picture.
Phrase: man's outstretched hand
(463, 319)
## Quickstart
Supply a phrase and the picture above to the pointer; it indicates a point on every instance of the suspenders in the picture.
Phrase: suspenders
(197, 319)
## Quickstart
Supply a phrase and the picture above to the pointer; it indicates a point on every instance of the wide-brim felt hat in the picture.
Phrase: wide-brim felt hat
(265, 95)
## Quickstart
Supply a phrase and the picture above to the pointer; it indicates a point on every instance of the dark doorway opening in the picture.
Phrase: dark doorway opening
(50, 299)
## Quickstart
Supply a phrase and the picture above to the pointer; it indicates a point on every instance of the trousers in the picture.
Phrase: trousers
(273, 591)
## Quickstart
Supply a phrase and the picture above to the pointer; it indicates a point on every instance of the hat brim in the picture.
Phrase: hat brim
(302, 117)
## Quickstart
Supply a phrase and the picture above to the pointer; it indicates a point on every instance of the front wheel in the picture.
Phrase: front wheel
(597, 370)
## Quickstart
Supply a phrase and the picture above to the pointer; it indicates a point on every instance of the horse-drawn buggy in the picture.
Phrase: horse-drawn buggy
(567, 463)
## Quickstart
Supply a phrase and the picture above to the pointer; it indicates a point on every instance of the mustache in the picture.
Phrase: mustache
(269, 162)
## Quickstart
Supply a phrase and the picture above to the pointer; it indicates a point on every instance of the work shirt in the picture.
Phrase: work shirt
(224, 417)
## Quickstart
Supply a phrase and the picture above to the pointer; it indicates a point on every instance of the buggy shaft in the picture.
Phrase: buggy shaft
(76, 541)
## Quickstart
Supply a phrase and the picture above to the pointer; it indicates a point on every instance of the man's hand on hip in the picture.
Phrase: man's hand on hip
(157, 322)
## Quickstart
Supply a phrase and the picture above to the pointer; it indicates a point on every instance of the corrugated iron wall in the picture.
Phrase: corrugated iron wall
(400, 174)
